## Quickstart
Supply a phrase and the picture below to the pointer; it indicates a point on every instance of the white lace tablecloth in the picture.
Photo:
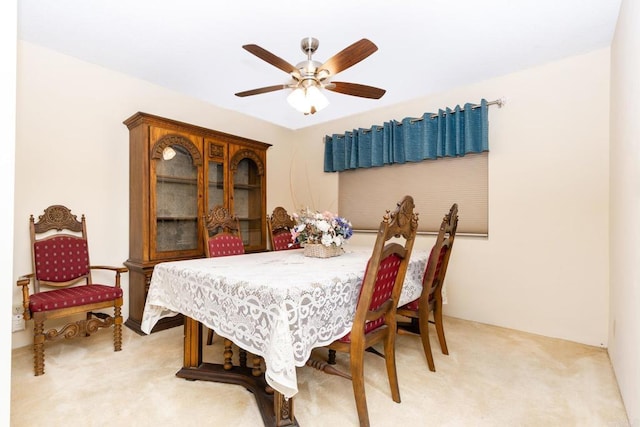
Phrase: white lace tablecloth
(278, 305)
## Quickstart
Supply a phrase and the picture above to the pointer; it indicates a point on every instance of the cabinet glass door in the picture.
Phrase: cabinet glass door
(247, 202)
(176, 200)
(215, 190)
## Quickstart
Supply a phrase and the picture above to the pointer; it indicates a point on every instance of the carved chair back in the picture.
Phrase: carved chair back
(222, 233)
(280, 225)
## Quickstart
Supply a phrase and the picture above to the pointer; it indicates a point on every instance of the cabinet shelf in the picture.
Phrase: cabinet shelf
(177, 218)
(176, 180)
(246, 186)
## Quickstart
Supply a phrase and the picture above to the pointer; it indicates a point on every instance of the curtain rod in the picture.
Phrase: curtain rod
(499, 102)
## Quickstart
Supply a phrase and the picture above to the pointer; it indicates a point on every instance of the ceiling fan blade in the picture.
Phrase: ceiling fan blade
(269, 57)
(261, 90)
(349, 56)
(356, 89)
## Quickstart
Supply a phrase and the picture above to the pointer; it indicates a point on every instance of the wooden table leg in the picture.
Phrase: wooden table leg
(192, 343)
(276, 411)
(283, 409)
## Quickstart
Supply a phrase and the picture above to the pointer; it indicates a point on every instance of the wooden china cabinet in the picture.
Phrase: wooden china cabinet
(177, 172)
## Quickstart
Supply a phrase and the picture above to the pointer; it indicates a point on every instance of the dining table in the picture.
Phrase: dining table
(276, 305)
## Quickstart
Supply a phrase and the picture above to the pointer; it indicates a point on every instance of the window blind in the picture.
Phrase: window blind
(366, 193)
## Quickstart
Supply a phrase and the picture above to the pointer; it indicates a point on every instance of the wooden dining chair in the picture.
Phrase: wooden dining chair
(221, 238)
(280, 225)
(222, 233)
(430, 300)
(375, 316)
(63, 285)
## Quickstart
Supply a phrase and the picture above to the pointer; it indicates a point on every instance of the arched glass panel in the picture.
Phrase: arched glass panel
(176, 200)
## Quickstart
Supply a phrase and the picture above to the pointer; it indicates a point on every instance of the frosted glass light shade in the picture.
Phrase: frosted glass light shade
(316, 98)
(298, 100)
(306, 99)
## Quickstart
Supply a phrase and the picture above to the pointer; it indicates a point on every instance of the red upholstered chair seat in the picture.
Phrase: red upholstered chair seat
(280, 224)
(72, 297)
(389, 268)
(60, 259)
(368, 327)
(225, 245)
(282, 241)
(415, 304)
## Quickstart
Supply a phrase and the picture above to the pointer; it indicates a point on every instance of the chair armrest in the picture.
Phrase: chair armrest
(117, 270)
(108, 267)
(24, 281)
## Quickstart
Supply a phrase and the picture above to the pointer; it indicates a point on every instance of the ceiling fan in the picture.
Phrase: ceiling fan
(309, 77)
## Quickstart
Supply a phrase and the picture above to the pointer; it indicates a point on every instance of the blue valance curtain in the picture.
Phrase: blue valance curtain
(450, 133)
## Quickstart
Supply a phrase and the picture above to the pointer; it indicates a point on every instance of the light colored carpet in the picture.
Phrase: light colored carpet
(492, 377)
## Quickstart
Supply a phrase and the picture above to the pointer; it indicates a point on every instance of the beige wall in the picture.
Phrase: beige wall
(624, 328)
(8, 31)
(543, 268)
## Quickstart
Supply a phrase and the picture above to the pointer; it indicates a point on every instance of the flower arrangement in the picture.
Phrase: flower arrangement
(325, 228)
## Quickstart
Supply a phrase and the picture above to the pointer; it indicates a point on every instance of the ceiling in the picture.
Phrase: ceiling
(424, 46)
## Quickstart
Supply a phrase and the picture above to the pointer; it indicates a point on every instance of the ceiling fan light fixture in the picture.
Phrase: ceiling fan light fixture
(310, 78)
(307, 100)
(316, 98)
(297, 100)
